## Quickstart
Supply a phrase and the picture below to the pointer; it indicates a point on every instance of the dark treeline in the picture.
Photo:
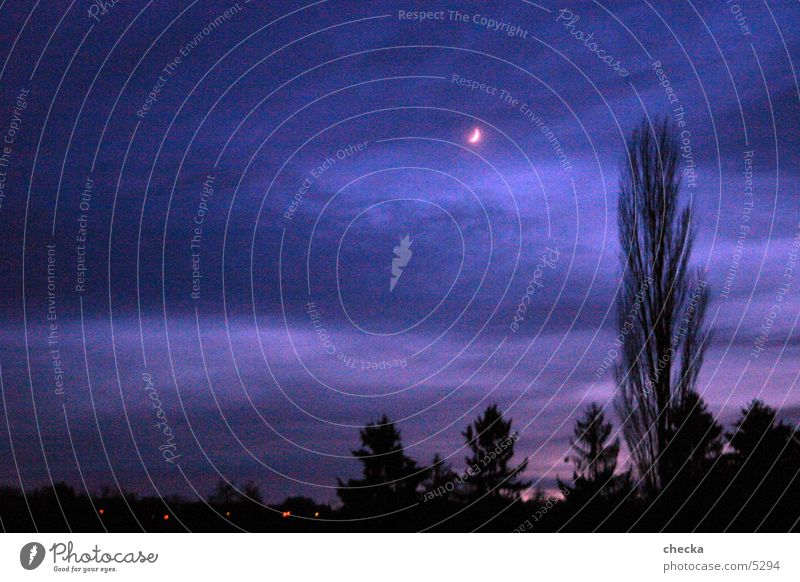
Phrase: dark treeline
(686, 472)
(752, 486)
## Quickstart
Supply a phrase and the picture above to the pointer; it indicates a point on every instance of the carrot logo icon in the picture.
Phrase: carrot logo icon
(402, 256)
(31, 555)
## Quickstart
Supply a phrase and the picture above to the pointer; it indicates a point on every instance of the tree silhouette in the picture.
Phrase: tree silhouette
(251, 491)
(223, 494)
(491, 442)
(390, 478)
(596, 489)
(226, 493)
(757, 437)
(695, 440)
(765, 489)
(693, 476)
(661, 306)
(593, 457)
(441, 495)
(441, 477)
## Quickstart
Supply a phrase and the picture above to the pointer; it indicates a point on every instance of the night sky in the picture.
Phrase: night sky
(202, 203)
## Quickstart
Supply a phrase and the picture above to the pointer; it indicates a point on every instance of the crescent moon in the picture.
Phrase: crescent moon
(476, 135)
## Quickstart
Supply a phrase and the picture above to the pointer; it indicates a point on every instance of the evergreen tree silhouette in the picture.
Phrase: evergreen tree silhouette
(694, 440)
(391, 479)
(441, 477)
(757, 436)
(765, 492)
(441, 495)
(693, 477)
(596, 489)
(593, 457)
(491, 474)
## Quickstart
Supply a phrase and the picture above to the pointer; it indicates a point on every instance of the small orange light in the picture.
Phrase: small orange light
(166, 516)
(227, 514)
(316, 514)
(286, 513)
(101, 511)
